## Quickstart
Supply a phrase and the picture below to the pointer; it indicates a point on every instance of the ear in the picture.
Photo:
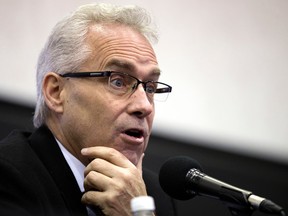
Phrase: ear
(52, 89)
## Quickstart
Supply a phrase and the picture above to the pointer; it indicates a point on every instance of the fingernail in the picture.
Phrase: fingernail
(84, 151)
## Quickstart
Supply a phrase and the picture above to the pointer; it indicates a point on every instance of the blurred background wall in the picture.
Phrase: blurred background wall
(228, 64)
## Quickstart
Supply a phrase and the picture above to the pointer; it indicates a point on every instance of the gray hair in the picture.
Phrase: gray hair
(66, 50)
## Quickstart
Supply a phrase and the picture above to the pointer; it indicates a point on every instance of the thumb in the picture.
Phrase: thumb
(139, 164)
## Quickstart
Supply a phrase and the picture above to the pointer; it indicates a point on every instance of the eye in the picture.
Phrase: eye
(118, 83)
(151, 87)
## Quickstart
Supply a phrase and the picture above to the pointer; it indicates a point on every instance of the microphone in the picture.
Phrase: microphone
(181, 177)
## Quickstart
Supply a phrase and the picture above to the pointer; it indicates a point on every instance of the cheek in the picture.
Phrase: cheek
(151, 118)
(84, 108)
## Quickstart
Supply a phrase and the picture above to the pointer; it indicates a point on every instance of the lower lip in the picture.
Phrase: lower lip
(132, 140)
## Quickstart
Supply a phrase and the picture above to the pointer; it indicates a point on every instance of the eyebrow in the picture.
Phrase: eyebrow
(128, 67)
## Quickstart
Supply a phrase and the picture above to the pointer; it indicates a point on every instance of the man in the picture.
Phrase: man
(97, 80)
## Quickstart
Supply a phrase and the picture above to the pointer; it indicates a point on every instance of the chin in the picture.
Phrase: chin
(133, 158)
(133, 155)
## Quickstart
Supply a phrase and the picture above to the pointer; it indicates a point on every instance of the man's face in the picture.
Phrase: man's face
(93, 115)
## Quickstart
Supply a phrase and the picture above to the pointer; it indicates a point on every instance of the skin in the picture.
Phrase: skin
(90, 121)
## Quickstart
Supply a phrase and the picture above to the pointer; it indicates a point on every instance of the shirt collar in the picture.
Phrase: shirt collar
(75, 165)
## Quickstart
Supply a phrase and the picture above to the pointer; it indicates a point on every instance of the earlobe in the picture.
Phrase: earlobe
(52, 89)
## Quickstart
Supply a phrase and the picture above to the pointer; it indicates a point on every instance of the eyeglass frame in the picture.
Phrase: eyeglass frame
(167, 89)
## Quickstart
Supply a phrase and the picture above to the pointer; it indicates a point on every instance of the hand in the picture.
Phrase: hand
(111, 181)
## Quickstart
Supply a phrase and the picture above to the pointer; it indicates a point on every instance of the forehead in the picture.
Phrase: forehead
(121, 46)
(126, 66)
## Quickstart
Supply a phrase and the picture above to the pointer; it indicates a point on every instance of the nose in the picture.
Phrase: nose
(140, 104)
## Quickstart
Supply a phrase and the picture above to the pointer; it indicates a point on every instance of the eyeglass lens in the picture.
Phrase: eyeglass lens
(122, 83)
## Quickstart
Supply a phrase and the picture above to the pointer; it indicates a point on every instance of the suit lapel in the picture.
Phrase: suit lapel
(44, 144)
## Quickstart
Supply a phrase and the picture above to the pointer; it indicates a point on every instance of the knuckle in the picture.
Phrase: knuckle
(111, 152)
(127, 175)
(90, 177)
(87, 198)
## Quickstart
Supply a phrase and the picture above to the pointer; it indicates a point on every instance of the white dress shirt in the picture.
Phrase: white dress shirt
(78, 170)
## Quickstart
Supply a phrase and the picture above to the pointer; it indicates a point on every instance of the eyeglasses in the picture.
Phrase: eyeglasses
(122, 84)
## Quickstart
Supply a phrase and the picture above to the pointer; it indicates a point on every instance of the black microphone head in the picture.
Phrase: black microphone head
(172, 176)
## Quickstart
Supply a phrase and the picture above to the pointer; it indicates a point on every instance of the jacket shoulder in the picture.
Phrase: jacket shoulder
(15, 146)
(27, 188)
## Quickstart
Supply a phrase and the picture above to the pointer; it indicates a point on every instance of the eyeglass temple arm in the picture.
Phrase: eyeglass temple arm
(163, 90)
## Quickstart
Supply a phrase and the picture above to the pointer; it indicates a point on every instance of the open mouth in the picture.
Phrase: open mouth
(134, 133)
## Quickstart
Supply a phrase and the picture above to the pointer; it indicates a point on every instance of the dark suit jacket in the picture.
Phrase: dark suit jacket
(36, 179)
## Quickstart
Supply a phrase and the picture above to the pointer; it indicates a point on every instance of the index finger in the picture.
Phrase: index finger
(108, 154)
